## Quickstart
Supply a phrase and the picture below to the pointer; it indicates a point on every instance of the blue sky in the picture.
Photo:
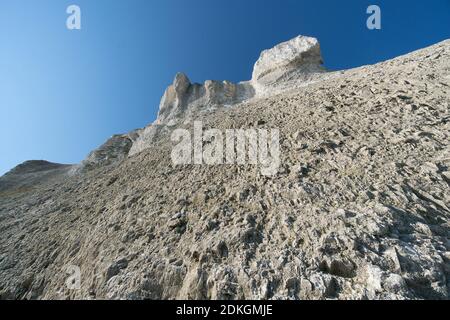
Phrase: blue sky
(63, 93)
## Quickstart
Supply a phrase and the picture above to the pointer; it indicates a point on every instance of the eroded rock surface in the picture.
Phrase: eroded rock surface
(358, 210)
(287, 64)
(182, 100)
(32, 173)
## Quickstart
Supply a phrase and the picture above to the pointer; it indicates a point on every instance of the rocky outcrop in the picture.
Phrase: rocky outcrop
(30, 173)
(359, 208)
(112, 151)
(287, 64)
(183, 99)
(147, 137)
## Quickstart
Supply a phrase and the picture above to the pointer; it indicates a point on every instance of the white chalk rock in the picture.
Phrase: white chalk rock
(293, 60)
(184, 100)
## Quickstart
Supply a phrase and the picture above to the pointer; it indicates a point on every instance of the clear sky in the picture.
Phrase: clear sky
(64, 92)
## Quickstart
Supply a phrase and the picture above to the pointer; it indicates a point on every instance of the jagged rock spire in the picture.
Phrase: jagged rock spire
(283, 66)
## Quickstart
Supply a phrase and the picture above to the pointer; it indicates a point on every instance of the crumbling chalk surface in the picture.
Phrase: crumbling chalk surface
(358, 210)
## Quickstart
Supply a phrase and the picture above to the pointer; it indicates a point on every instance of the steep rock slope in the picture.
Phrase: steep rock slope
(359, 208)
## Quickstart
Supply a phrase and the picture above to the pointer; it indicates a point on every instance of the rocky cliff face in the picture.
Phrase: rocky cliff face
(31, 173)
(114, 150)
(359, 209)
(286, 66)
(289, 65)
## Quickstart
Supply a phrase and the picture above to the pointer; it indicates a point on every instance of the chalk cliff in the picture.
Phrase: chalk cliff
(359, 208)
